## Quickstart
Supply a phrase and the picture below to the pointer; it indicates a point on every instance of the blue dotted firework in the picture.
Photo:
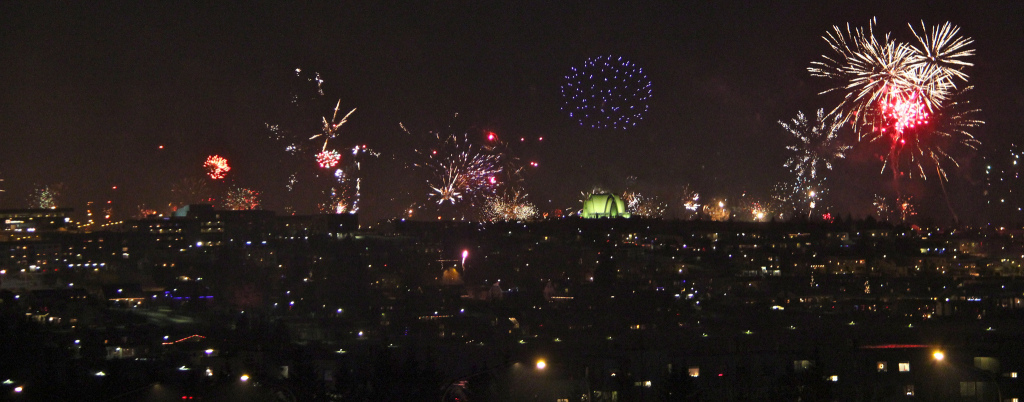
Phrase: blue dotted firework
(607, 92)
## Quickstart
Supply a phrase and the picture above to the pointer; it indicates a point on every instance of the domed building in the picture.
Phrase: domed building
(604, 206)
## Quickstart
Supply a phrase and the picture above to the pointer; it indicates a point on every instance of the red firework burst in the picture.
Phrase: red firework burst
(216, 167)
(328, 159)
(902, 112)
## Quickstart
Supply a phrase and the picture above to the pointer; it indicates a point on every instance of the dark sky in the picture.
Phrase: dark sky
(91, 91)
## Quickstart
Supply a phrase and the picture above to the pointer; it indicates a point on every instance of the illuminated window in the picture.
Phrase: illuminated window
(883, 367)
(908, 390)
(694, 371)
(904, 367)
(1013, 374)
(833, 378)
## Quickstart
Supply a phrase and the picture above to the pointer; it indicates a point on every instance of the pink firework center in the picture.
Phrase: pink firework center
(903, 112)
(216, 167)
(328, 158)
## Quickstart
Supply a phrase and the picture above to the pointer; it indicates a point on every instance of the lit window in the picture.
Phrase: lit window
(1013, 374)
(904, 367)
(908, 390)
(694, 371)
(833, 378)
(883, 367)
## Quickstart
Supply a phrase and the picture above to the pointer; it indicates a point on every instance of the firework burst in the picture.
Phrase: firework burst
(882, 207)
(801, 197)
(906, 207)
(644, 206)
(328, 159)
(46, 197)
(143, 212)
(759, 212)
(241, 199)
(927, 139)
(307, 132)
(894, 91)
(607, 92)
(338, 202)
(190, 190)
(459, 169)
(717, 210)
(330, 127)
(509, 206)
(818, 144)
(216, 167)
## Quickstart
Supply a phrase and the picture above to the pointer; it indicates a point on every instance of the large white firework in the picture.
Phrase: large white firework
(871, 71)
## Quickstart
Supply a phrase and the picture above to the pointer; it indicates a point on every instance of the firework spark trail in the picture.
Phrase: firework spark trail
(216, 167)
(925, 144)
(818, 144)
(330, 128)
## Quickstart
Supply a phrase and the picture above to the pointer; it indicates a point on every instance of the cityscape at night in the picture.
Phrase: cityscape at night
(540, 201)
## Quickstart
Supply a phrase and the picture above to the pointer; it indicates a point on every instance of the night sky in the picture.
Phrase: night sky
(91, 91)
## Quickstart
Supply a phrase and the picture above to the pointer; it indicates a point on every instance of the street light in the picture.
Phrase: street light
(541, 364)
(938, 355)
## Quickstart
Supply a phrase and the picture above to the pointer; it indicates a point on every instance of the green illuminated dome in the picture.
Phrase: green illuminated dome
(604, 206)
